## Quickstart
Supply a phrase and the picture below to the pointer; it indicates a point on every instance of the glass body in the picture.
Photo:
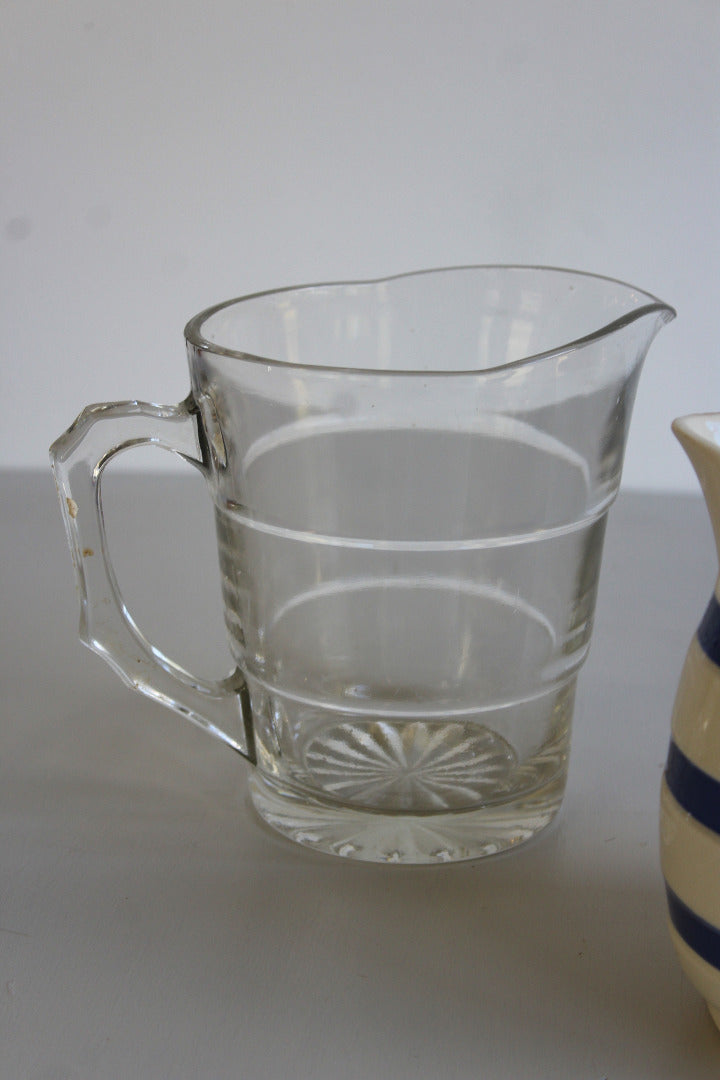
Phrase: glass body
(411, 479)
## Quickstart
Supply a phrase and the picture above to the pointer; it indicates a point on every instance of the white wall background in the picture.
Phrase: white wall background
(161, 156)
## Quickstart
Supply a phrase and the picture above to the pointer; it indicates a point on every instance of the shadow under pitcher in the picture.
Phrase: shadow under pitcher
(411, 478)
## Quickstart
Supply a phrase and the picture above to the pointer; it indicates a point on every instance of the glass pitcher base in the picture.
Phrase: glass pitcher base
(408, 839)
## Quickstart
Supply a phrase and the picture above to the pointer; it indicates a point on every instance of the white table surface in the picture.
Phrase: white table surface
(151, 927)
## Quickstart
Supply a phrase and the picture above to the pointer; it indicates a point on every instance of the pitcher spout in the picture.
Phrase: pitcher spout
(637, 330)
(653, 320)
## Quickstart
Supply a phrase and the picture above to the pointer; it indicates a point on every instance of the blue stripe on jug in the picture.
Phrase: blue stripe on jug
(709, 631)
(702, 937)
(695, 790)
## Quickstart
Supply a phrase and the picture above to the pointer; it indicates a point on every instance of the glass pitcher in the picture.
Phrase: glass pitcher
(411, 478)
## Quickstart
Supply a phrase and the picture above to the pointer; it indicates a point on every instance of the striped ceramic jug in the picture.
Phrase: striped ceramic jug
(690, 799)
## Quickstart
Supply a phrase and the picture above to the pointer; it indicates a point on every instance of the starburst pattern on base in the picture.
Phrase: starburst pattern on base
(415, 767)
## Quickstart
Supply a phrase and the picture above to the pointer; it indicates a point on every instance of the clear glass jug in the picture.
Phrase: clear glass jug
(411, 479)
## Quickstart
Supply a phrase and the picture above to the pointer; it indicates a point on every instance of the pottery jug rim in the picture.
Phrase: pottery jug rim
(702, 426)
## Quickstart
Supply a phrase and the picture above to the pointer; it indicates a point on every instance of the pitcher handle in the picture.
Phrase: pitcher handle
(78, 459)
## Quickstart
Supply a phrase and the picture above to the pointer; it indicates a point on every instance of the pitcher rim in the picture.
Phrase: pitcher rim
(197, 340)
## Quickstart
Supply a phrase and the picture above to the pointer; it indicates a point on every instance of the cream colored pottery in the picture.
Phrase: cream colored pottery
(690, 798)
